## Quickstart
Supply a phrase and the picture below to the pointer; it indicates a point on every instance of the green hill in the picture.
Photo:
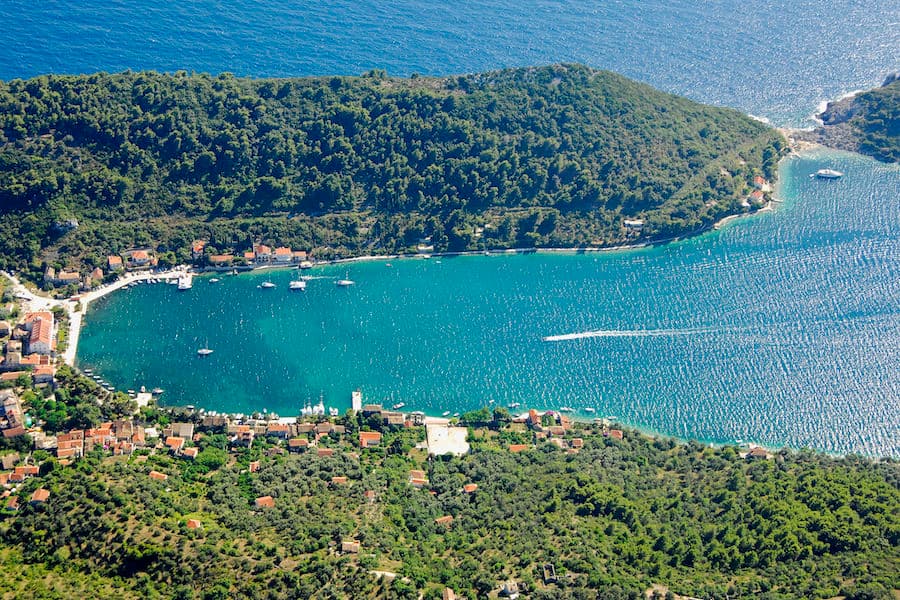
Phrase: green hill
(614, 519)
(550, 156)
(868, 123)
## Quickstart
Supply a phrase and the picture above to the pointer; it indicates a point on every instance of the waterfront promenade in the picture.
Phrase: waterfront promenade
(77, 306)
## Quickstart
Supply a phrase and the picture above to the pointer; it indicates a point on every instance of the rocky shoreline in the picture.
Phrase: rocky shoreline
(837, 129)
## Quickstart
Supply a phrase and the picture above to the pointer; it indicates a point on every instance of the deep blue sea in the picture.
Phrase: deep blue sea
(770, 58)
(783, 328)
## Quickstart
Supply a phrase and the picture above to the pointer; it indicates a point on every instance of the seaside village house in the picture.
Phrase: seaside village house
(140, 259)
(61, 278)
(39, 328)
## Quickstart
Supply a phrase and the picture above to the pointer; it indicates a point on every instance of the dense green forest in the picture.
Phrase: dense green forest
(551, 156)
(614, 519)
(868, 123)
(877, 121)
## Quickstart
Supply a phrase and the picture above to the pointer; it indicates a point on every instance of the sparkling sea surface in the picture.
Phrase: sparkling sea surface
(770, 58)
(783, 328)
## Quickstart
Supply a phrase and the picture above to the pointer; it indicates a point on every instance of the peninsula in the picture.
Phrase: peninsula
(562, 156)
(868, 123)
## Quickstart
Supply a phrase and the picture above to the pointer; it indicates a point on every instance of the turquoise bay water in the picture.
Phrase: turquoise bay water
(783, 328)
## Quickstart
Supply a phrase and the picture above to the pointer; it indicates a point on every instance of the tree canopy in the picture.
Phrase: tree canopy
(525, 157)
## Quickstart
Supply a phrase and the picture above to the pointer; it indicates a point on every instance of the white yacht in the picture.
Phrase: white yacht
(828, 174)
(306, 264)
(186, 282)
(344, 282)
(298, 285)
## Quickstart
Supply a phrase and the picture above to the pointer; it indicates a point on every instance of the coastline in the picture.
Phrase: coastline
(85, 299)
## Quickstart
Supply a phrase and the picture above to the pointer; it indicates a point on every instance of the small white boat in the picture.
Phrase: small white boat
(214, 280)
(306, 264)
(399, 405)
(590, 410)
(514, 405)
(445, 413)
(266, 285)
(333, 412)
(185, 282)
(204, 352)
(298, 285)
(828, 174)
(344, 282)
(566, 409)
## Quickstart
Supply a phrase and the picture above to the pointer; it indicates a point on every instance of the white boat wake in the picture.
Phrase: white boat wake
(627, 333)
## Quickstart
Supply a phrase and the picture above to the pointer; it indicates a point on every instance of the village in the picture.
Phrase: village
(365, 433)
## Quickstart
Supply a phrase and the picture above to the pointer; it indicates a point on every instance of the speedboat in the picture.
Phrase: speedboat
(298, 285)
(266, 285)
(204, 352)
(344, 282)
(214, 280)
(399, 405)
(445, 413)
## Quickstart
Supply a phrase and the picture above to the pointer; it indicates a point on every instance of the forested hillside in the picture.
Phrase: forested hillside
(877, 121)
(552, 156)
(868, 123)
(614, 519)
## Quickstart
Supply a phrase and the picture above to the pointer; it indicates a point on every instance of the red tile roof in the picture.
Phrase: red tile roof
(369, 438)
(470, 487)
(193, 524)
(40, 495)
(518, 447)
(174, 442)
(158, 476)
(265, 502)
(41, 331)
